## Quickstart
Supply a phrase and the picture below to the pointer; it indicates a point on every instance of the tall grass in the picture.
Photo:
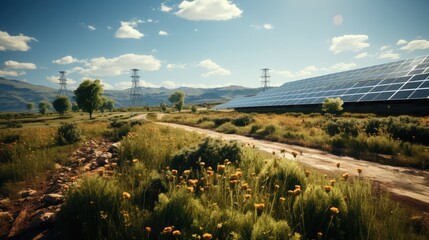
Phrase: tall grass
(255, 198)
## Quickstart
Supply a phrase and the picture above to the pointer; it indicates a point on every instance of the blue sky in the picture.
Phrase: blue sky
(204, 43)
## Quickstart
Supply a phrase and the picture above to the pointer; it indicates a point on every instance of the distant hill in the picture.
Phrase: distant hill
(15, 94)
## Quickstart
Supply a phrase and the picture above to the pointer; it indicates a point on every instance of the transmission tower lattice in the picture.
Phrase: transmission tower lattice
(136, 92)
(63, 84)
(265, 79)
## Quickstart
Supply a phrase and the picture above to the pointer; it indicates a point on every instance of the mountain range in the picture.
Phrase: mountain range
(14, 95)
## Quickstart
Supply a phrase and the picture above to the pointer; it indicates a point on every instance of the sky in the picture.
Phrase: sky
(204, 43)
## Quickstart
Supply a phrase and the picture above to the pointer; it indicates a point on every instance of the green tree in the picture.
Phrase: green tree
(107, 104)
(75, 107)
(163, 107)
(61, 104)
(178, 100)
(89, 96)
(332, 105)
(110, 104)
(194, 109)
(29, 106)
(44, 107)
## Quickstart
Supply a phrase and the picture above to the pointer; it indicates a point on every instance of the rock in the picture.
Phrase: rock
(42, 220)
(102, 160)
(4, 203)
(6, 216)
(57, 166)
(53, 198)
(114, 148)
(27, 193)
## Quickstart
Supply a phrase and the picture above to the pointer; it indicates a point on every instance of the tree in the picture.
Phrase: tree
(163, 107)
(194, 109)
(110, 104)
(332, 105)
(178, 100)
(29, 106)
(61, 104)
(88, 96)
(107, 103)
(44, 107)
(75, 107)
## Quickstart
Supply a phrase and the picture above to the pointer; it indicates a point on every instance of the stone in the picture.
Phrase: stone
(6, 216)
(42, 220)
(57, 166)
(53, 198)
(27, 193)
(114, 148)
(102, 160)
(4, 203)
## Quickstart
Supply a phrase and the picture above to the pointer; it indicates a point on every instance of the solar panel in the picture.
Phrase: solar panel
(401, 80)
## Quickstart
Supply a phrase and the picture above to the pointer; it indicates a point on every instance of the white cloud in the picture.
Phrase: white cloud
(66, 60)
(401, 42)
(338, 20)
(342, 66)
(127, 30)
(91, 28)
(169, 84)
(165, 8)
(388, 55)
(385, 47)
(163, 33)
(123, 85)
(18, 65)
(349, 43)
(218, 10)
(172, 66)
(14, 43)
(6, 73)
(213, 69)
(307, 71)
(109, 27)
(54, 79)
(266, 26)
(102, 66)
(416, 45)
(201, 85)
(362, 55)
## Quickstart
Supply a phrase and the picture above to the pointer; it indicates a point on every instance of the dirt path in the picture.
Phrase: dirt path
(405, 184)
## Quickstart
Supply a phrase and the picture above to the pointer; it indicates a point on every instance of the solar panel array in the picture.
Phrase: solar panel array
(402, 80)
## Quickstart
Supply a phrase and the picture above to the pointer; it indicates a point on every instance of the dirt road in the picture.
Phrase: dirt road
(406, 184)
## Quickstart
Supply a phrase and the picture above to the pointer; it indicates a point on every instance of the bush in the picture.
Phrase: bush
(13, 125)
(10, 138)
(268, 228)
(243, 121)
(373, 126)
(408, 129)
(212, 152)
(332, 128)
(227, 128)
(312, 214)
(220, 121)
(348, 127)
(268, 130)
(315, 115)
(332, 105)
(254, 128)
(68, 134)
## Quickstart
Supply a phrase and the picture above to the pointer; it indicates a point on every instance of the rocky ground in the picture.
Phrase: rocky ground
(32, 215)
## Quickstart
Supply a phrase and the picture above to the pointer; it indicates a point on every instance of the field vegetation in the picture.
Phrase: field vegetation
(189, 187)
(401, 140)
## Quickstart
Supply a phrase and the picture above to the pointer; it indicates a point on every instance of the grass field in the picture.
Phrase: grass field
(189, 187)
(399, 140)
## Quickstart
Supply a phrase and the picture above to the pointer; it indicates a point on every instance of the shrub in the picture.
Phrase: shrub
(10, 138)
(227, 128)
(349, 127)
(68, 134)
(152, 116)
(220, 121)
(332, 105)
(254, 128)
(243, 121)
(332, 128)
(268, 130)
(315, 115)
(312, 213)
(212, 152)
(408, 129)
(373, 126)
(13, 125)
(268, 228)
